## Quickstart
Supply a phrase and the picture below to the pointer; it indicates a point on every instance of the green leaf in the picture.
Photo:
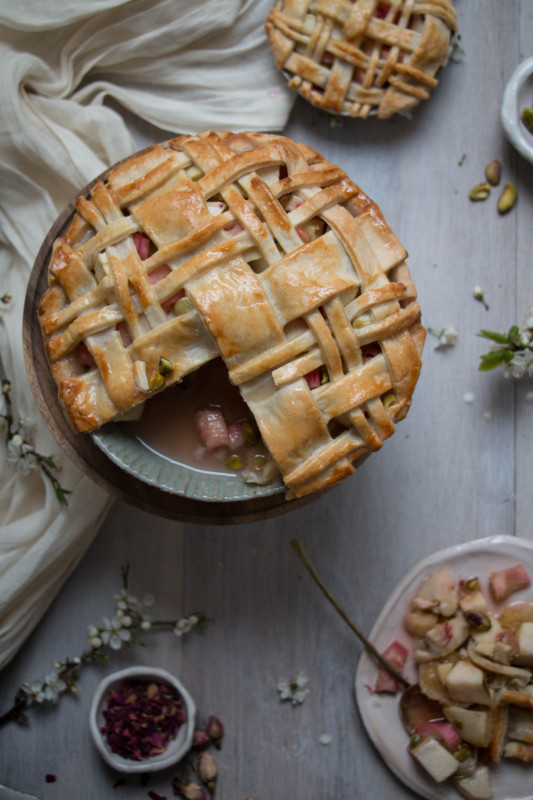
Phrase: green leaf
(492, 360)
(513, 332)
(500, 338)
(61, 494)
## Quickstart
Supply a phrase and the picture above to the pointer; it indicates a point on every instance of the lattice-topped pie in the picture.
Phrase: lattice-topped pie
(250, 247)
(362, 57)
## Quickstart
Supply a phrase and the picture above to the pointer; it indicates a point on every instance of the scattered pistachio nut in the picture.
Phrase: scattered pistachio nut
(493, 172)
(527, 118)
(182, 305)
(507, 198)
(480, 192)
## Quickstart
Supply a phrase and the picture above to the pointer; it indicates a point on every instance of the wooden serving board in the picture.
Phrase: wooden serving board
(86, 455)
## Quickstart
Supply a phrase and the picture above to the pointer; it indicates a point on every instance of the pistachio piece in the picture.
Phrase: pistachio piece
(165, 366)
(527, 118)
(493, 172)
(234, 461)
(182, 305)
(388, 399)
(480, 192)
(156, 382)
(507, 198)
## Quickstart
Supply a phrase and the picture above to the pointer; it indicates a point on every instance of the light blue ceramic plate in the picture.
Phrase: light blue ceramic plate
(132, 455)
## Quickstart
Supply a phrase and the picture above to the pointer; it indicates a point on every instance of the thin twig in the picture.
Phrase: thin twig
(300, 552)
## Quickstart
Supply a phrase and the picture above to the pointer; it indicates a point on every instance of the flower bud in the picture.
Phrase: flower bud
(215, 730)
(190, 791)
(200, 739)
(207, 770)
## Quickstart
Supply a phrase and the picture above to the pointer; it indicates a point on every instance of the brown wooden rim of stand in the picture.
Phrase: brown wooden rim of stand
(81, 449)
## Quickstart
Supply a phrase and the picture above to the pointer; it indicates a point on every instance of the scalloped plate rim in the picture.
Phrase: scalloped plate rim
(380, 715)
(178, 472)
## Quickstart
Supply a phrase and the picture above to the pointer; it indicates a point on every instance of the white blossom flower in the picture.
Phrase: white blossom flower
(520, 364)
(447, 336)
(295, 689)
(113, 634)
(126, 600)
(93, 631)
(185, 624)
(469, 397)
(146, 625)
(21, 453)
(54, 685)
(95, 642)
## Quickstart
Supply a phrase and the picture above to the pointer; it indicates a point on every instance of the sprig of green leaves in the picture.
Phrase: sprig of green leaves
(508, 345)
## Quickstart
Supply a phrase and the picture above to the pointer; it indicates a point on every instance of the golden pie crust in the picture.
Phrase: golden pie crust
(362, 57)
(287, 267)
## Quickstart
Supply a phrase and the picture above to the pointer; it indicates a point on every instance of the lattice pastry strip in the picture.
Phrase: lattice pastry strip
(362, 57)
(254, 249)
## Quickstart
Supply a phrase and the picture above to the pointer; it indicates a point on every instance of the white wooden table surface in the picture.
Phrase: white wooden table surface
(449, 475)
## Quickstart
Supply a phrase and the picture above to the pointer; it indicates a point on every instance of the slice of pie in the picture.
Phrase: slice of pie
(253, 248)
(362, 57)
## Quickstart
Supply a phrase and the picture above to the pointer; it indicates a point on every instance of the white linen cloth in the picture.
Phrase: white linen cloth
(184, 66)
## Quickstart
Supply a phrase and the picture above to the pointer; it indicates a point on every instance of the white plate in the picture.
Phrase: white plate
(511, 780)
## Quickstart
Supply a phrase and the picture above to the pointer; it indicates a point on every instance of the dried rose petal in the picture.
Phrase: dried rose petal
(141, 718)
(49, 778)
(215, 730)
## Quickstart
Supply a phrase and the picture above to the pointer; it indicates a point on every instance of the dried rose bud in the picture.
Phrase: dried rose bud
(200, 739)
(207, 770)
(215, 730)
(190, 791)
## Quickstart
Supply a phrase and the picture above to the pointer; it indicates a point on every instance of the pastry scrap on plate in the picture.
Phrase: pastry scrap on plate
(362, 57)
(255, 249)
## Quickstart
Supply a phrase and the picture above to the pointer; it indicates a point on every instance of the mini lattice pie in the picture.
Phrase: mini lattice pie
(250, 247)
(362, 57)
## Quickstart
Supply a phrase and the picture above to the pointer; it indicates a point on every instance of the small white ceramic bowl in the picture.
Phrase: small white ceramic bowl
(177, 747)
(517, 96)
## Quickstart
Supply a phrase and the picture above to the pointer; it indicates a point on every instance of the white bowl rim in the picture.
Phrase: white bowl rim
(176, 749)
(510, 113)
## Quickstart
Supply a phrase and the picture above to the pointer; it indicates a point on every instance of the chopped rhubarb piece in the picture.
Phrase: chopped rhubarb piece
(159, 273)
(395, 655)
(444, 732)
(85, 358)
(303, 234)
(506, 581)
(369, 351)
(234, 229)
(142, 243)
(236, 436)
(168, 305)
(122, 328)
(313, 378)
(382, 10)
(212, 427)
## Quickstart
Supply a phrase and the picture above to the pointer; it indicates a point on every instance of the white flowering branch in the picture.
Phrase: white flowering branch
(122, 630)
(19, 451)
(513, 350)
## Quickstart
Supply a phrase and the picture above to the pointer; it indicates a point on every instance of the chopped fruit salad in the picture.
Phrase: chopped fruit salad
(472, 703)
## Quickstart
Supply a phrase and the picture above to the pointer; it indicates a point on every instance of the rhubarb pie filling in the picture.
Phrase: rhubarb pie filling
(252, 257)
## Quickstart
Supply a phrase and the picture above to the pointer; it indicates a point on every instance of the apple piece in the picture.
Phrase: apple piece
(443, 639)
(525, 645)
(433, 757)
(518, 750)
(438, 593)
(466, 684)
(418, 623)
(507, 581)
(471, 598)
(476, 786)
(475, 726)
(520, 724)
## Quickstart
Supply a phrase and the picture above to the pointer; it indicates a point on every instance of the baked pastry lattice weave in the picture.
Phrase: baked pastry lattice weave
(260, 251)
(362, 57)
